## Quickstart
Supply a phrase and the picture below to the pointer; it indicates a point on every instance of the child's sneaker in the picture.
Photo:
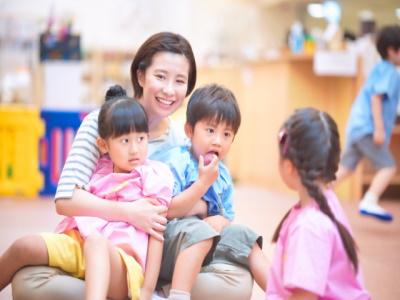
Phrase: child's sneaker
(157, 297)
(374, 210)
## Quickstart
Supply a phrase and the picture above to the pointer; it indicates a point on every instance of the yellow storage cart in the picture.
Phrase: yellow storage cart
(20, 131)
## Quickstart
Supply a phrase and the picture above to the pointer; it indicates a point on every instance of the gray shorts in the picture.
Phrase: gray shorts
(231, 247)
(378, 155)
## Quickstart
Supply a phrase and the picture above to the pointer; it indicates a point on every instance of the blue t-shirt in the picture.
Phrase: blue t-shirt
(185, 168)
(383, 80)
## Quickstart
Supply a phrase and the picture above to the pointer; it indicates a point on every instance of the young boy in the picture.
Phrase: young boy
(204, 190)
(371, 121)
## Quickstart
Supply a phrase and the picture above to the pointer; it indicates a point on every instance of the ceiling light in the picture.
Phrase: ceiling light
(315, 10)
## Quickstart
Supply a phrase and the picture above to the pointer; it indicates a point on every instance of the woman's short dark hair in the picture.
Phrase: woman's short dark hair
(162, 42)
(120, 114)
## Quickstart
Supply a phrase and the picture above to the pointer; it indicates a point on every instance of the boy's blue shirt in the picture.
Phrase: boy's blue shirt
(383, 80)
(185, 169)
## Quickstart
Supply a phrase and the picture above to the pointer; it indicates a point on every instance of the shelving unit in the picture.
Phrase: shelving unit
(104, 69)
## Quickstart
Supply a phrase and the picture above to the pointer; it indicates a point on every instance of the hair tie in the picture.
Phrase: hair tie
(283, 141)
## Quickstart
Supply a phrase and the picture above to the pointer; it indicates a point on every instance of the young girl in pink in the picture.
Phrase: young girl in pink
(116, 259)
(315, 255)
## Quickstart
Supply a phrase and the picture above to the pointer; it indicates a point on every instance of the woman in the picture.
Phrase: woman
(163, 73)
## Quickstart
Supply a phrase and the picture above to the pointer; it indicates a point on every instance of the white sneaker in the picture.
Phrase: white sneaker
(374, 210)
(156, 297)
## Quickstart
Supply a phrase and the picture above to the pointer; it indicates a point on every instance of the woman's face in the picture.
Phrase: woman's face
(164, 84)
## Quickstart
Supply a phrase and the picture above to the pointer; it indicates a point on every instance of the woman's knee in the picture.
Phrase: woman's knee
(223, 281)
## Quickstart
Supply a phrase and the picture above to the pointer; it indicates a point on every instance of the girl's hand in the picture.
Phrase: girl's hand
(148, 215)
(208, 173)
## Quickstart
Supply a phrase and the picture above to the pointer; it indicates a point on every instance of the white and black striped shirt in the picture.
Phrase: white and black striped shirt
(84, 154)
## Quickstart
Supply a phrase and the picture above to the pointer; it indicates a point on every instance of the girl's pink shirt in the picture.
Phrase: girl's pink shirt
(152, 179)
(310, 255)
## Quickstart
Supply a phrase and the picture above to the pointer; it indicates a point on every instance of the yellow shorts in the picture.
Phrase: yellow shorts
(65, 251)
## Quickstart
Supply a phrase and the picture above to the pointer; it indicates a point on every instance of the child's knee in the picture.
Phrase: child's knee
(201, 248)
(206, 244)
(27, 247)
(95, 241)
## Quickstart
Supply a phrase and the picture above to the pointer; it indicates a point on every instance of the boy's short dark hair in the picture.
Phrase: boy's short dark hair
(216, 103)
(388, 36)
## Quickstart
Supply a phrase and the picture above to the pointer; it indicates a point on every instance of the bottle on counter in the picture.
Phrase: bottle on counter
(296, 38)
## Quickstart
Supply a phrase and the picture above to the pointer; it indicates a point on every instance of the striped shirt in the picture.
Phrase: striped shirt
(84, 154)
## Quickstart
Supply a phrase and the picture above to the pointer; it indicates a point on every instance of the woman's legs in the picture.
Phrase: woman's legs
(223, 281)
(46, 283)
(228, 275)
(26, 251)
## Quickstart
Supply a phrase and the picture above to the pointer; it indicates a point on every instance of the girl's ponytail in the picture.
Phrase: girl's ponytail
(310, 140)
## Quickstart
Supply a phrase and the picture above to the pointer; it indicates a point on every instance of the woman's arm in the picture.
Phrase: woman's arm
(143, 213)
(82, 158)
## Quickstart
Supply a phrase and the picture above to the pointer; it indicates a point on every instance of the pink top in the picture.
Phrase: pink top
(310, 255)
(152, 179)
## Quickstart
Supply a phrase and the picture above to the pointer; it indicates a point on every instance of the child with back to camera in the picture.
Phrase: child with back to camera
(203, 190)
(112, 256)
(371, 122)
(315, 255)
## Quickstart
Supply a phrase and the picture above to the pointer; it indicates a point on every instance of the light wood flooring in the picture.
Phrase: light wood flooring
(261, 209)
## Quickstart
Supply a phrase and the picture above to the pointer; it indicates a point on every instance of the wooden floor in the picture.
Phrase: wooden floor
(379, 243)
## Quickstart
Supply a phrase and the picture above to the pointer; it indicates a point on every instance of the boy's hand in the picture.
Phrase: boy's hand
(379, 136)
(217, 222)
(208, 173)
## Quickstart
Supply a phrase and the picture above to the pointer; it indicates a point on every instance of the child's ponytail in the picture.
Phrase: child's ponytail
(315, 192)
(310, 140)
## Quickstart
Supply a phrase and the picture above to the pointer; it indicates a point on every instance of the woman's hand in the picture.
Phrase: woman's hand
(148, 215)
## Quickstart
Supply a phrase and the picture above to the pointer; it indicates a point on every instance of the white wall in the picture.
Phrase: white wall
(214, 27)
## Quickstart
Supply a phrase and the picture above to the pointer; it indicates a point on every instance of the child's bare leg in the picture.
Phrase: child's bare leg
(26, 251)
(97, 261)
(105, 271)
(118, 287)
(188, 265)
(259, 265)
(381, 181)
(102, 259)
(369, 204)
